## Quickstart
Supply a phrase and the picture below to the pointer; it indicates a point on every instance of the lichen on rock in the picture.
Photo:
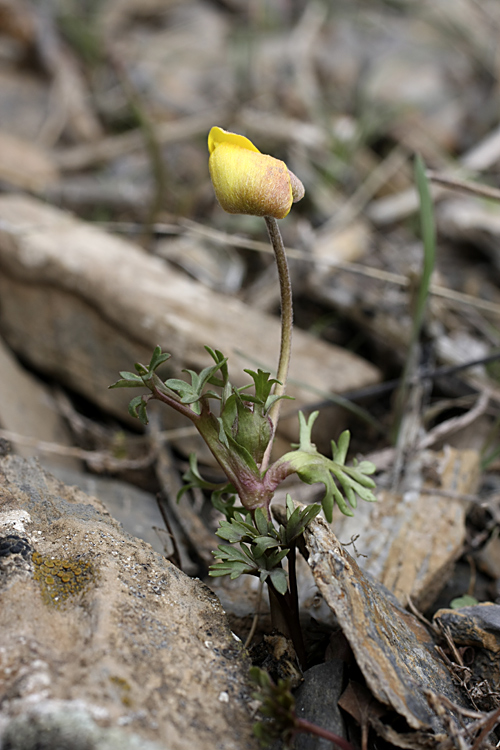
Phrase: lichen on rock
(60, 578)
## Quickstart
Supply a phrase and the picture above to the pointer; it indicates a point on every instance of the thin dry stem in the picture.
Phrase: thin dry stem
(464, 186)
(102, 459)
(459, 299)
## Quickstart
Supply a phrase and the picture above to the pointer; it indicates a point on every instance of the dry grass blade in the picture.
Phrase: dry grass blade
(464, 186)
(451, 426)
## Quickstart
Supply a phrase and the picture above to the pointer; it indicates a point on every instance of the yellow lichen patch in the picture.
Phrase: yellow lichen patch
(61, 578)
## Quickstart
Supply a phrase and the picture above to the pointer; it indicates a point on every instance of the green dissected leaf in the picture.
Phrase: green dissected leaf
(238, 450)
(263, 384)
(278, 577)
(235, 561)
(359, 476)
(339, 452)
(290, 507)
(233, 569)
(254, 431)
(332, 496)
(260, 549)
(131, 376)
(311, 467)
(138, 408)
(248, 426)
(305, 429)
(236, 531)
(229, 415)
(229, 532)
(220, 569)
(361, 484)
(128, 380)
(122, 383)
(463, 601)
(261, 522)
(272, 399)
(225, 506)
(273, 559)
(364, 491)
(141, 369)
(208, 372)
(309, 513)
(320, 472)
(294, 521)
(192, 478)
(142, 412)
(365, 467)
(158, 358)
(221, 362)
(298, 520)
(185, 390)
(240, 554)
(260, 677)
(262, 543)
(278, 708)
(192, 393)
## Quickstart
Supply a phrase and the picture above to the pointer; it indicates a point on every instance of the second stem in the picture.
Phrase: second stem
(286, 327)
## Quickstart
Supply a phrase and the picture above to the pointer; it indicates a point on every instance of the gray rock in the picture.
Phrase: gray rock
(66, 727)
(135, 509)
(102, 636)
(316, 700)
(27, 408)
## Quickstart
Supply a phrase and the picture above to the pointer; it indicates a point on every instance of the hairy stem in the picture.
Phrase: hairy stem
(173, 403)
(286, 326)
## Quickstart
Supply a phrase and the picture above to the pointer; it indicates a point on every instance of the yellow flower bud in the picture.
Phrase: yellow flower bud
(248, 182)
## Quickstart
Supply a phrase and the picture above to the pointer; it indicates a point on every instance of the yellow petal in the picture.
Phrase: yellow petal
(218, 136)
(248, 182)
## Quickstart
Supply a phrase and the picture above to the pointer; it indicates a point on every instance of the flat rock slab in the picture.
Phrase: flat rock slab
(392, 648)
(81, 305)
(410, 541)
(102, 638)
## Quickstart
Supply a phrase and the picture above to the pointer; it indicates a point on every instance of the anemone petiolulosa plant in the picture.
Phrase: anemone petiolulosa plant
(238, 424)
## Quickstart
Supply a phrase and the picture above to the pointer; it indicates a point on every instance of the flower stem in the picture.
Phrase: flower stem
(286, 326)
